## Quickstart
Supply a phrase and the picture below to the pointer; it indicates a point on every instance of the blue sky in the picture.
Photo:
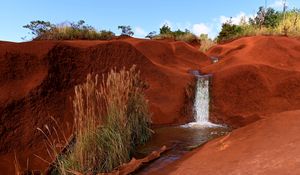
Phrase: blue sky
(199, 16)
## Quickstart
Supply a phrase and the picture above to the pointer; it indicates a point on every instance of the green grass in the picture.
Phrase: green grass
(111, 118)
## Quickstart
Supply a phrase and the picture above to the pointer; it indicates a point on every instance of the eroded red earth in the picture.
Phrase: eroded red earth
(255, 88)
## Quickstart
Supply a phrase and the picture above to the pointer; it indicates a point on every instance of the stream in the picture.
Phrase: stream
(180, 140)
(184, 138)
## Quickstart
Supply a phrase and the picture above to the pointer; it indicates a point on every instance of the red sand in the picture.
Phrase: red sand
(38, 79)
(256, 79)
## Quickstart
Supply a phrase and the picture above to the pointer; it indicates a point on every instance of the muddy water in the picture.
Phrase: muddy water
(180, 140)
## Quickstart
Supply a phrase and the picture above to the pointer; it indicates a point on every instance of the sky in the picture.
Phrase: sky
(199, 16)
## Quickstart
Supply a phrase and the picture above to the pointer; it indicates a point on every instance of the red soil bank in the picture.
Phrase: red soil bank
(267, 147)
(255, 76)
(38, 78)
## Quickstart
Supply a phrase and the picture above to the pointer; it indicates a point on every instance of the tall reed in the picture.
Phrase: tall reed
(111, 118)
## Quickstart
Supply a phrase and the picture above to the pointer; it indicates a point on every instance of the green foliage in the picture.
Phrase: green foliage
(39, 27)
(266, 22)
(229, 31)
(68, 31)
(179, 35)
(126, 30)
(268, 18)
(272, 18)
(151, 35)
(165, 29)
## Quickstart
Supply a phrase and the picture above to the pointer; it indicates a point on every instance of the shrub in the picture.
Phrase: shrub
(188, 37)
(68, 31)
(165, 29)
(266, 22)
(167, 33)
(268, 18)
(111, 118)
(39, 27)
(126, 30)
(151, 35)
(229, 31)
(290, 25)
(206, 43)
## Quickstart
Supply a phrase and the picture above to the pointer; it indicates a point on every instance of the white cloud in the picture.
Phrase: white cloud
(277, 4)
(201, 28)
(235, 19)
(139, 32)
(198, 28)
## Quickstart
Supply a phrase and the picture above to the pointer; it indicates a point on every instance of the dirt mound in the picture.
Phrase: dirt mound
(254, 77)
(38, 79)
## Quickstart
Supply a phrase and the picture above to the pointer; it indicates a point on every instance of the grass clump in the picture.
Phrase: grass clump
(111, 118)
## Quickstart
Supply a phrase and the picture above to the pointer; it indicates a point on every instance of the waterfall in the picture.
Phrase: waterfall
(201, 102)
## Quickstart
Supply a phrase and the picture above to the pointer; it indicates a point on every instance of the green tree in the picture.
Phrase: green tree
(151, 35)
(39, 27)
(80, 25)
(165, 29)
(229, 31)
(269, 18)
(272, 18)
(126, 30)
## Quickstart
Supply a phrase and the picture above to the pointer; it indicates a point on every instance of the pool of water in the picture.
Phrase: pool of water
(180, 140)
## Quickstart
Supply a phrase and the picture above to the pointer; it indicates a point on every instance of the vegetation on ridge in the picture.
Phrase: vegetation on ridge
(266, 22)
(165, 32)
(44, 30)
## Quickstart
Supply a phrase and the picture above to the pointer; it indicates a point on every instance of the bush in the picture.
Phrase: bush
(178, 35)
(165, 29)
(229, 31)
(126, 30)
(206, 43)
(266, 22)
(111, 119)
(268, 18)
(290, 25)
(68, 31)
(151, 35)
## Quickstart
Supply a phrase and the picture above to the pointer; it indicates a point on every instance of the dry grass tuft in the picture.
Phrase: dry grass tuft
(111, 118)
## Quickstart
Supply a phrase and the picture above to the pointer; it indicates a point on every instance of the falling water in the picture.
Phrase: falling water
(201, 103)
